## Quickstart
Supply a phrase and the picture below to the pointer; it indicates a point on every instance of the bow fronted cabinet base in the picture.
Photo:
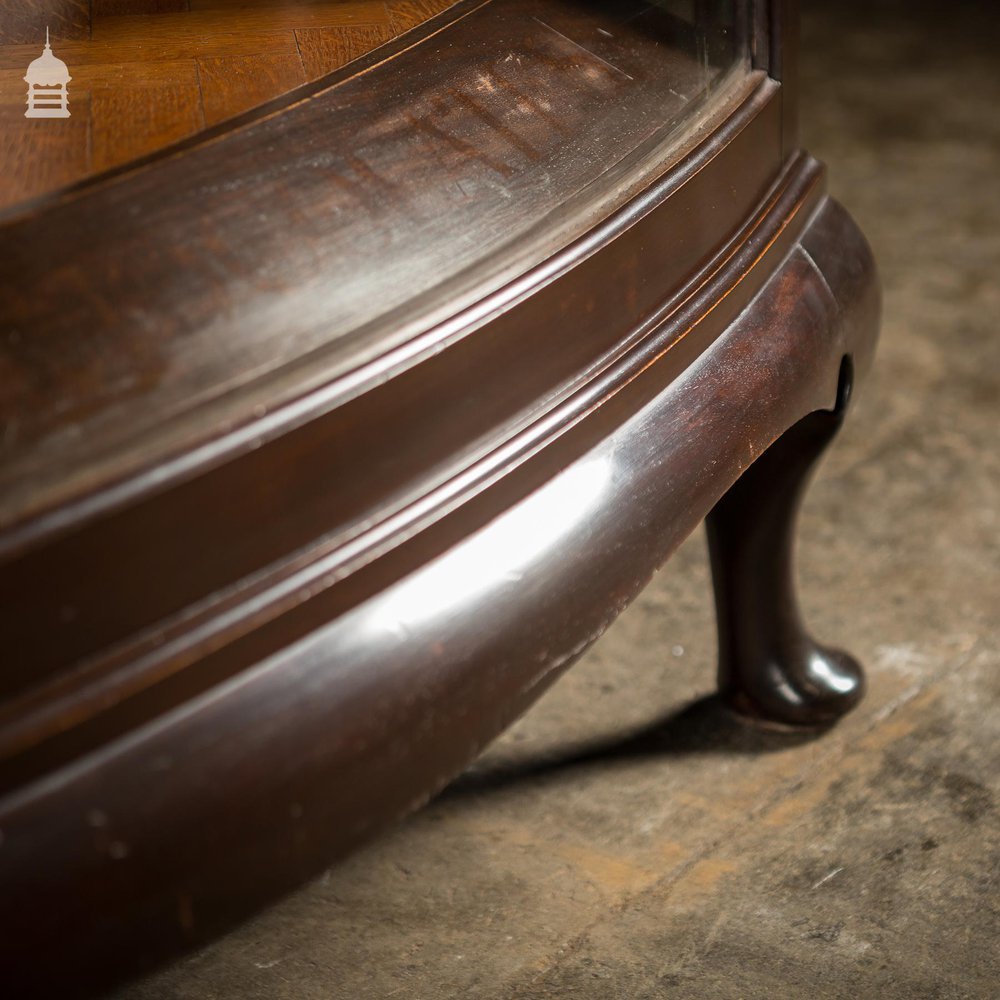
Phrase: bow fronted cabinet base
(336, 433)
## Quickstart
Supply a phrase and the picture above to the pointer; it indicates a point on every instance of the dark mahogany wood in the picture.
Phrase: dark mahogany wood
(321, 471)
(145, 847)
(770, 668)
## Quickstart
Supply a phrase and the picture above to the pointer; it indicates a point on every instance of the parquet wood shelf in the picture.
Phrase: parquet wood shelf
(147, 73)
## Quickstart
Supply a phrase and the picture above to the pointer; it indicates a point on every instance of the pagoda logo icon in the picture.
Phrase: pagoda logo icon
(48, 85)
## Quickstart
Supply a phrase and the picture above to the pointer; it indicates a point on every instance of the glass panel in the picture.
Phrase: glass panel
(349, 221)
(717, 32)
(143, 74)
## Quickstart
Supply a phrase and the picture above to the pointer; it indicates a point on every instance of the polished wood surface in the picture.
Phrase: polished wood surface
(375, 465)
(409, 186)
(770, 668)
(147, 73)
(319, 468)
(361, 711)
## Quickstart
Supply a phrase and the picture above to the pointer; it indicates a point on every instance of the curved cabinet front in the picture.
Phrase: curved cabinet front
(276, 574)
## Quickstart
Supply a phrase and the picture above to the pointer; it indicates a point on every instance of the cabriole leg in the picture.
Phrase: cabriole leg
(770, 668)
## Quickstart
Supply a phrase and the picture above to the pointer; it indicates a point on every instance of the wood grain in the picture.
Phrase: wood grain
(136, 76)
(325, 49)
(406, 14)
(52, 154)
(231, 84)
(201, 20)
(25, 21)
(157, 116)
(107, 8)
(145, 51)
(191, 63)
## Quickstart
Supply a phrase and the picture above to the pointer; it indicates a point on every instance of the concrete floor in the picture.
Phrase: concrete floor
(628, 840)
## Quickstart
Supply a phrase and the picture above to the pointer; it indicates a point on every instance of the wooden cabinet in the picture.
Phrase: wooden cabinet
(335, 431)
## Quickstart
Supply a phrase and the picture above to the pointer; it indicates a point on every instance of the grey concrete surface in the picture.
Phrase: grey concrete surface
(625, 839)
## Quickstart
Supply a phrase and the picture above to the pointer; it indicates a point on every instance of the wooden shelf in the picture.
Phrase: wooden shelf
(147, 73)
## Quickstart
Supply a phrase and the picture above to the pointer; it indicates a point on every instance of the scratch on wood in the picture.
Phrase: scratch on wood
(594, 55)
